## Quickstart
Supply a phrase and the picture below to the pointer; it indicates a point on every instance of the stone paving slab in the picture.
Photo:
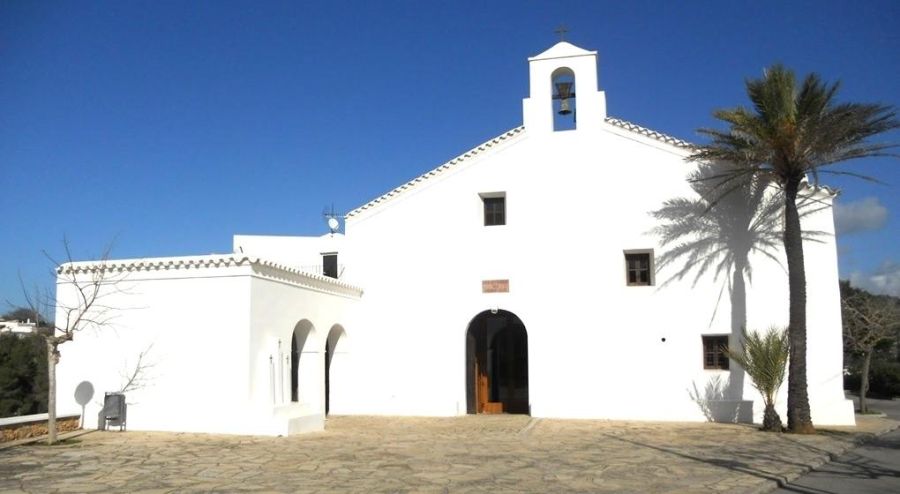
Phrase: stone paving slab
(461, 454)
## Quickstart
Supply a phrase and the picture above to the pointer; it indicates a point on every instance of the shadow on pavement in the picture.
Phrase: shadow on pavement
(855, 466)
(849, 466)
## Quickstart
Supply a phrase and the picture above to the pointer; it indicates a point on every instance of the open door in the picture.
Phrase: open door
(497, 364)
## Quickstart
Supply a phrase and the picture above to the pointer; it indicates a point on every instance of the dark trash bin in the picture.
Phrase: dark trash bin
(114, 411)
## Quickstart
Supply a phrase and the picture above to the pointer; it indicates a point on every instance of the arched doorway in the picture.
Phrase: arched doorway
(497, 364)
(333, 351)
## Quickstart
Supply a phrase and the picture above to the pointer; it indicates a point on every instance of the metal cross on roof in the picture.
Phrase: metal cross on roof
(561, 31)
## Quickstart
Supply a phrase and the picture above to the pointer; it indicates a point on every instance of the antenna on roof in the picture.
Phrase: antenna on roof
(332, 218)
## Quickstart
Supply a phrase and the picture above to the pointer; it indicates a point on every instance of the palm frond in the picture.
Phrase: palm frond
(793, 130)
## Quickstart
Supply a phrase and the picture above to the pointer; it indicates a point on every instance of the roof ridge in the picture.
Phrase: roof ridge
(439, 170)
(644, 131)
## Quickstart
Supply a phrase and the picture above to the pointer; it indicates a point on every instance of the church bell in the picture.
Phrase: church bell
(563, 93)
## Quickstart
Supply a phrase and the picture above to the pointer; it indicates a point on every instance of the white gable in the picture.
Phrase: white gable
(561, 50)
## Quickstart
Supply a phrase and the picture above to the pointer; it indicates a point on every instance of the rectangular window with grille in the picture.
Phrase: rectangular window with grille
(714, 356)
(494, 210)
(639, 268)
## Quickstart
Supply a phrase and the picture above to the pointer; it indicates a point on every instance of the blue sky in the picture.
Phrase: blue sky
(171, 126)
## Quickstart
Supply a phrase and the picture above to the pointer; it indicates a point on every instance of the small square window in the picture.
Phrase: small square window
(639, 268)
(714, 356)
(494, 210)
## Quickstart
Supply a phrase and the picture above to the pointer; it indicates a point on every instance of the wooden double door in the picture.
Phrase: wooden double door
(497, 364)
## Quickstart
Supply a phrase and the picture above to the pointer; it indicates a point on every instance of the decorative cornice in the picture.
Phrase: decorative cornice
(830, 191)
(154, 263)
(280, 272)
(264, 268)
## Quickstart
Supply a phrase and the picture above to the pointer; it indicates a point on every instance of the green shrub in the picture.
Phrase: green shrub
(884, 379)
(23, 375)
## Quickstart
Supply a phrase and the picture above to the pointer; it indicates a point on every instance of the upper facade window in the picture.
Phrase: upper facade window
(494, 209)
(639, 268)
(330, 265)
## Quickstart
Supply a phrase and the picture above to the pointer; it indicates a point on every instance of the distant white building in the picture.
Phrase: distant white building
(17, 327)
(519, 277)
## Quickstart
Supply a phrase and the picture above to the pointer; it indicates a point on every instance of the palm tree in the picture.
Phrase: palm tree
(790, 132)
(763, 357)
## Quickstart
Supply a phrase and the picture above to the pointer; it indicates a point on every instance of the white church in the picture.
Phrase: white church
(496, 302)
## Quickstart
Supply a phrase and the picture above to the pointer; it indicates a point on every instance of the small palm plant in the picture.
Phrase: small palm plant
(764, 357)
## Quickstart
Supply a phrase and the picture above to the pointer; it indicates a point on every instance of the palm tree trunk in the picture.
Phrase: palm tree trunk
(52, 359)
(799, 419)
(771, 420)
(864, 383)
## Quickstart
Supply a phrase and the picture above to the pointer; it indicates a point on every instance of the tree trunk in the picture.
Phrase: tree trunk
(864, 383)
(771, 419)
(52, 359)
(799, 419)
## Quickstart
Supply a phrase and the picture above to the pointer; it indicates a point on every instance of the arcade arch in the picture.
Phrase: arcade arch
(304, 357)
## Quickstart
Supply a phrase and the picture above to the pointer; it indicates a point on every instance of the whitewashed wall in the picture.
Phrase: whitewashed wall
(277, 309)
(575, 201)
(192, 322)
(300, 252)
(208, 326)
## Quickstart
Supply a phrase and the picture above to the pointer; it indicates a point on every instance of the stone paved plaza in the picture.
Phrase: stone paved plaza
(463, 454)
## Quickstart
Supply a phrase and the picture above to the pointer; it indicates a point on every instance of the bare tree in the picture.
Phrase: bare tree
(868, 321)
(78, 306)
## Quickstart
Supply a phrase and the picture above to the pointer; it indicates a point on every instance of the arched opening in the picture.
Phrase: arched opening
(303, 356)
(563, 105)
(497, 364)
(295, 365)
(334, 352)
